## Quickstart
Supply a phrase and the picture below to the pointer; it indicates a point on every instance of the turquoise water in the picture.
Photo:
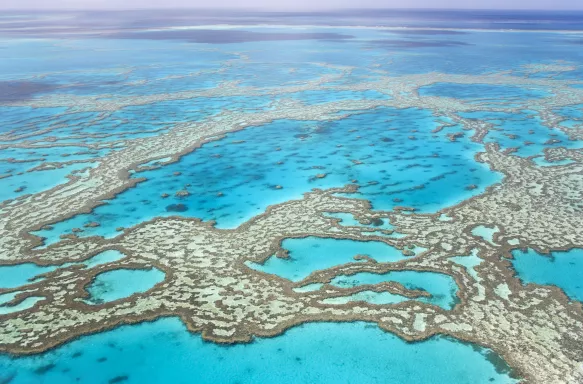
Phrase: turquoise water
(37, 181)
(469, 262)
(522, 131)
(573, 115)
(441, 287)
(68, 129)
(104, 258)
(562, 269)
(572, 112)
(236, 178)
(325, 96)
(482, 92)
(164, 352)
(13, 276)
(486, 233)
(27, 303)
(312, 254)
(121, 283)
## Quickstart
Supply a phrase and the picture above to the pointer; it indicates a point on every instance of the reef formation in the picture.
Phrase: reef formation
(208, 281)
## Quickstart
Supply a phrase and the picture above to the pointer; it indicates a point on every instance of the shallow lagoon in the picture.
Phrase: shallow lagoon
(27, 303)
(521, 131)
(312, 254)
(13, 276)
(562, 269)
(441, 287)
(163, 351)
(121, 283)
(390, 153)
(37, 181)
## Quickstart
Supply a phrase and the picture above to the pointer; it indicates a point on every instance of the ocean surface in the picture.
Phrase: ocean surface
(164, 351)
(398, 157)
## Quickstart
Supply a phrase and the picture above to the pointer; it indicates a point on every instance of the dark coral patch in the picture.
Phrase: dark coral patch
(177, 208)
(44, 369)
(23, 90)
(119, 379)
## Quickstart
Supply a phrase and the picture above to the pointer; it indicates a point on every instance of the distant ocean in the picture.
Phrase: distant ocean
(21, 22)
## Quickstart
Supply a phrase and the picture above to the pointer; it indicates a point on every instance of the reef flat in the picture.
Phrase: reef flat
(520, 122)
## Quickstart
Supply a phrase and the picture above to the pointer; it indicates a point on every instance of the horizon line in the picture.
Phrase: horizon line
(288, 10)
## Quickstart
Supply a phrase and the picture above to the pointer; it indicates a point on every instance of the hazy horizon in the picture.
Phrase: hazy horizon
(296, 5)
